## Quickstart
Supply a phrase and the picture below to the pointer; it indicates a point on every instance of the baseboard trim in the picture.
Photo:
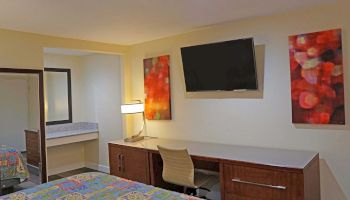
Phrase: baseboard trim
(65, 168)
(32, 166)
(103, 168)
(95, 166)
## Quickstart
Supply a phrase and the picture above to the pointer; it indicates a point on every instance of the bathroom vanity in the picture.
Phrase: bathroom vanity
(70, 133)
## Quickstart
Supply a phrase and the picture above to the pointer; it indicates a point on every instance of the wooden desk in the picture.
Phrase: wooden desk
(246, 173)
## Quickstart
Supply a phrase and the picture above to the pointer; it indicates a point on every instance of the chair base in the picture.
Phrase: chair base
(195, 192)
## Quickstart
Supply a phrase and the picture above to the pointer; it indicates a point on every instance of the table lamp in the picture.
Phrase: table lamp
(134, 108)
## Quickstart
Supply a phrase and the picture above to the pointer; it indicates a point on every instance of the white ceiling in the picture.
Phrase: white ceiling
(132, 21)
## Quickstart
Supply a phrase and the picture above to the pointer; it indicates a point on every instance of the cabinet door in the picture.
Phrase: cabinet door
(32, 145)
(248, 183)
(135, 165)
(115, 164)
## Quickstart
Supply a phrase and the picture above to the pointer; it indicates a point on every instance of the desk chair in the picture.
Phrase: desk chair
(178, 169)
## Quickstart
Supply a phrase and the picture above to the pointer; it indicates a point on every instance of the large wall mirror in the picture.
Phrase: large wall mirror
(58, 96)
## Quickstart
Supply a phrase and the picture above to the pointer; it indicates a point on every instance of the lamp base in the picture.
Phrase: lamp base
(134, 138)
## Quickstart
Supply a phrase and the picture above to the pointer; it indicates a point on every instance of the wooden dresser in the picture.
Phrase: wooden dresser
(246, 173)
(33, 147)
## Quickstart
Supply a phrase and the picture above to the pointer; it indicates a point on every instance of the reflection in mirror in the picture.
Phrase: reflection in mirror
(57, 96)
(19, 113)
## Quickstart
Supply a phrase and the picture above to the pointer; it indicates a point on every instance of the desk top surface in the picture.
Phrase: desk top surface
(266, 156)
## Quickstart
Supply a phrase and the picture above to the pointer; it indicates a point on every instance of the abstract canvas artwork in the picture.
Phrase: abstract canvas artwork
(317, 82)
(157, 88)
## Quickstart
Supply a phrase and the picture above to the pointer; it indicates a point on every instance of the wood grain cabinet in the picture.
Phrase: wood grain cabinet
(246, 181)
(243, 182)
(129, 163)
(295, 175)
(32, 147)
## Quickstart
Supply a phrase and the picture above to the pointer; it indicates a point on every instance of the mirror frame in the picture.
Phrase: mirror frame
(70, 115)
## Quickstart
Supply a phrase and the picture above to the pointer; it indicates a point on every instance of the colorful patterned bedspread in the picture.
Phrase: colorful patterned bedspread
(12, 164)
(97, 186)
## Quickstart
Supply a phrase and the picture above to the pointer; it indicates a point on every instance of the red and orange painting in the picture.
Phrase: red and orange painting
(317, 81)
(157, 88)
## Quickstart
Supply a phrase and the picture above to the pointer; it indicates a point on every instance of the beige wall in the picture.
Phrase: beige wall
(262, 121)
(75, 63)
(19, 108)
(14, 110)
(74, 154)
(103, 99)
(96, 97)
(33, 102)
(25, 50)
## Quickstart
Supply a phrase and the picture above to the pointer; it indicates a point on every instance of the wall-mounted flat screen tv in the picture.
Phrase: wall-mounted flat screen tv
(226, 66)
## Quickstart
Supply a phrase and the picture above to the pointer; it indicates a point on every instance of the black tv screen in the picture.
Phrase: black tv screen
(227, 66)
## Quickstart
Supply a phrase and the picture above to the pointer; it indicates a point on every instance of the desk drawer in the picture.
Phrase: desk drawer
(247, 183)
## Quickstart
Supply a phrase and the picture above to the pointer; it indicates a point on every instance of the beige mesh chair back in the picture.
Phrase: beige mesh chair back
(177, 167)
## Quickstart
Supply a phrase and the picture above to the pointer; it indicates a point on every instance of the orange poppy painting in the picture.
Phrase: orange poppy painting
(157, 88)
(317, 78)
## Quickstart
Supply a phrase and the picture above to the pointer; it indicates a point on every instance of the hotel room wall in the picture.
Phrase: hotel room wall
(263, 121)
(13, 110)
(26, 50)
(75, 63)
(74, 153)
(33, 103)
(96, 91)
(103, 99)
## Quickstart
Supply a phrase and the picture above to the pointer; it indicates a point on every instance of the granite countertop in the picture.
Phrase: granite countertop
(65, 130)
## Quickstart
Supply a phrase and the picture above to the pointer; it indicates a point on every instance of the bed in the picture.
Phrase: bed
(13, 169)
(95, 185)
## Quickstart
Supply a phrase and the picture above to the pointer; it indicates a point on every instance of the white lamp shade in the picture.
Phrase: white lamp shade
(132, 108)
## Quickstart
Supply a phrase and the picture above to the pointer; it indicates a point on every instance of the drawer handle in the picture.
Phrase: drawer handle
(259, 184)
(119, 162)
(122, 163)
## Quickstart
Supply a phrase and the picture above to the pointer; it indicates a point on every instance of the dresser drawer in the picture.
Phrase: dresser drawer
(247, 183)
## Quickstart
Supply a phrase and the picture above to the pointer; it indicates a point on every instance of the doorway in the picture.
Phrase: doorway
(22, 108)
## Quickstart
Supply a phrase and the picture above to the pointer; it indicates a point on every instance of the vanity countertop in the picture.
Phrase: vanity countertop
(66, 130)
